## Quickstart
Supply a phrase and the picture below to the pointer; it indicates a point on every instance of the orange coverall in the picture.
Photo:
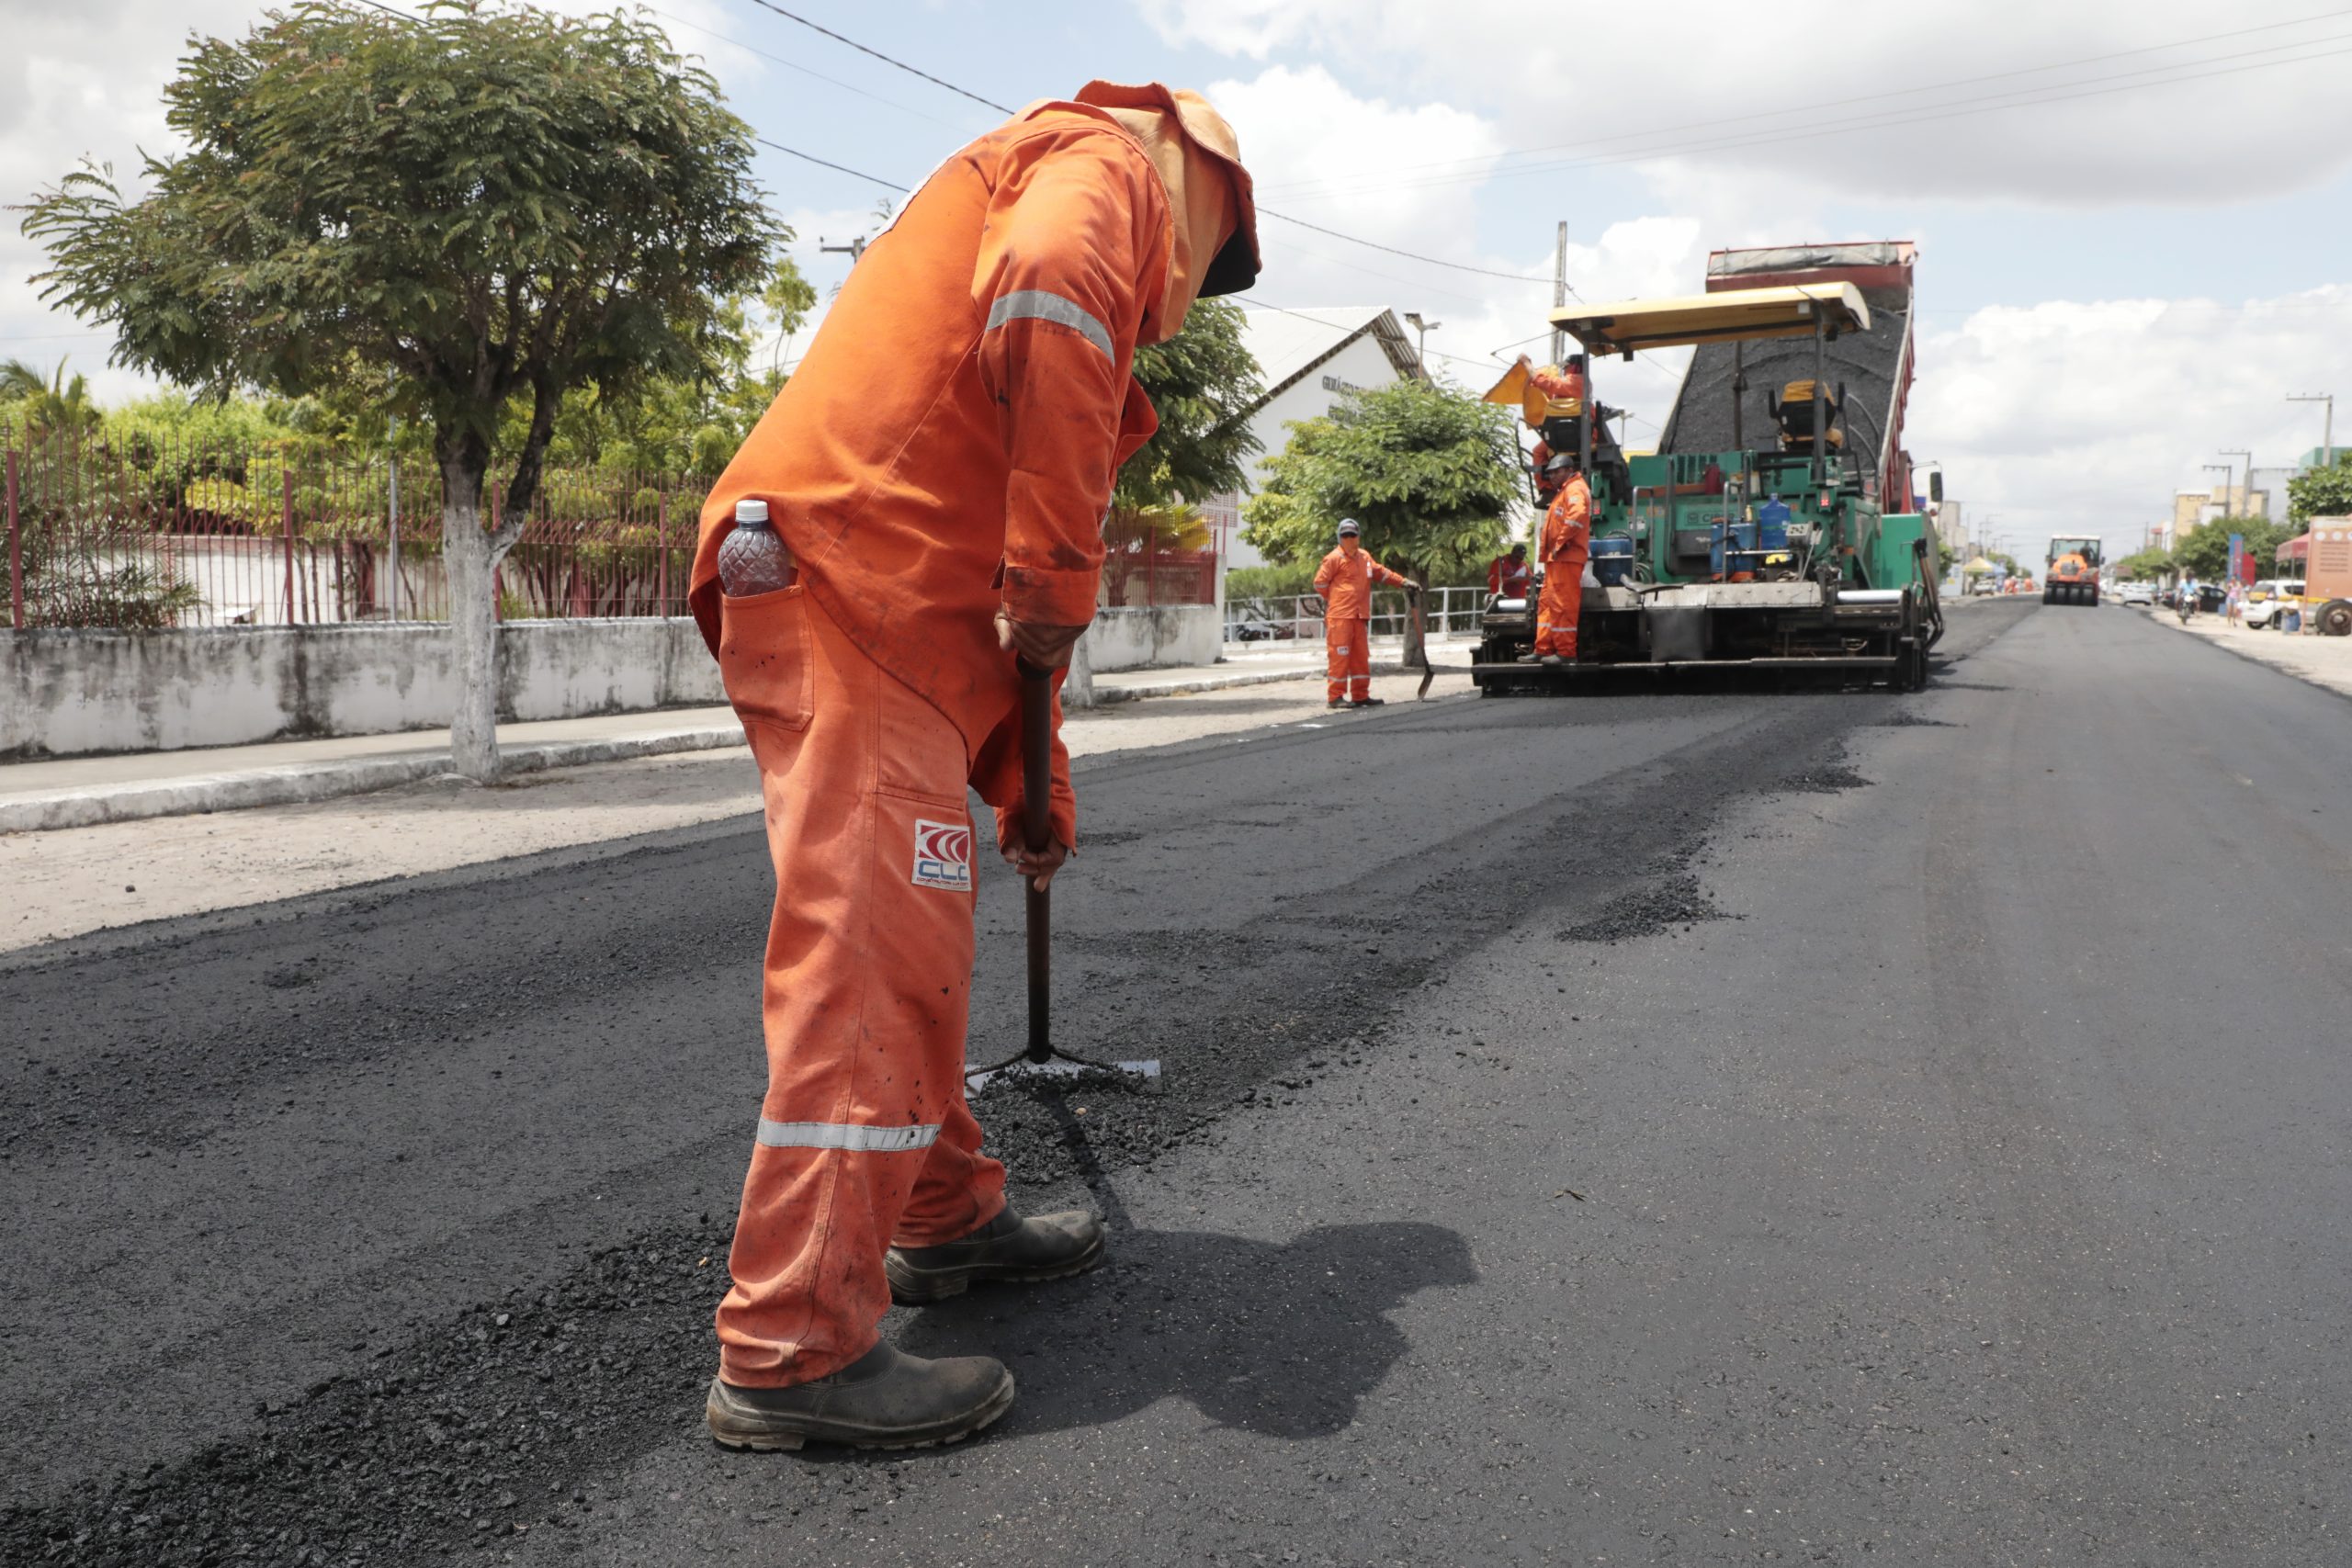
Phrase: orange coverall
(1345, 581)
(1508, 577)
(1567, 540)
(947, 445)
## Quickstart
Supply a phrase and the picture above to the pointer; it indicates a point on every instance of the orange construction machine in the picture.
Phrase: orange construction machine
(2072, 577)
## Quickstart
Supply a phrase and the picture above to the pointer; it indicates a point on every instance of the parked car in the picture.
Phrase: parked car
(2270, 598)
(1252, 627)
(2137, 593)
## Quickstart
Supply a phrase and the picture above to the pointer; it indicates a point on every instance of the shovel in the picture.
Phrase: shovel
(1043, 1057)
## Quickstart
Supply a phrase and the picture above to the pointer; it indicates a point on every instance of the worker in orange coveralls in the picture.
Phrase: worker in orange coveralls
(1345, 579)
(938, 466)
(1566, 541)
(1507, 574)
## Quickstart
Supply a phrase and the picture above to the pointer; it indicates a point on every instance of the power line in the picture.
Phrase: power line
(1262, 212)
(827, 164)
(792, 65)
(900, 64)
(1871, 97)
(1990, 104)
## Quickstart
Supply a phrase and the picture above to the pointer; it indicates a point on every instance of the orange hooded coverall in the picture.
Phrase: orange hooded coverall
(1567, 540)
(947, 446)
(1345, 581)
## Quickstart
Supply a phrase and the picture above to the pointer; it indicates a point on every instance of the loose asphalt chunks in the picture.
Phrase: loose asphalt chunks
(602, 1013)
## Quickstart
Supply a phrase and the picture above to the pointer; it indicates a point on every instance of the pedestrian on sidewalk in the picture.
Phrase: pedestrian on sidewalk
(938, 468)
(1345, 579)
(2233, 602)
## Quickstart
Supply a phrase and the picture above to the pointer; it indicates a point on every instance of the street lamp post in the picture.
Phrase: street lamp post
(2327, 433)
(2245, 491)
(1420, 336)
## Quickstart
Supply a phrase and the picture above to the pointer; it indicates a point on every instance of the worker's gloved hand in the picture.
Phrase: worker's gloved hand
(1036, 866)
(1047, 647)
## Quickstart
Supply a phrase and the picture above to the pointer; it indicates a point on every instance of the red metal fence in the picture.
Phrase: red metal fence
(108, 529)
(125, 530)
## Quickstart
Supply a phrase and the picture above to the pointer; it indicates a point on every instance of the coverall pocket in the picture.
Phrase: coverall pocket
(763, 657)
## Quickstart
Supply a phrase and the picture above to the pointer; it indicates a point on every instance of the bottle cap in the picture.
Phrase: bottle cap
(751, 512)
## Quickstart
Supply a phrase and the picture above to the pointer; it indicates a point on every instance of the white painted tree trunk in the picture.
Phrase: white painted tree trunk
(471, 553)
(1078, 686)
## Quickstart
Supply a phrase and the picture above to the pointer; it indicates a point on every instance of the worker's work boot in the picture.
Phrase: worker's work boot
(1008, 1248)
(1336, 703)
(1553, 661)
(1369, 703)
(884, 1399)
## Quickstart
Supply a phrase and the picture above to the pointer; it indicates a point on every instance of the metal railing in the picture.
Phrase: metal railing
(1447, 611)
(108, 528)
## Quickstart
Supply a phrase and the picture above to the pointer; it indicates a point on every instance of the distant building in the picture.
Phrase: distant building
(1311, 359)
(2192, 507)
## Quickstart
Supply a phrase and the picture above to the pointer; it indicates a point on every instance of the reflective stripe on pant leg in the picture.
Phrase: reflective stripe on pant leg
(1336, 643)
(1359, 660)
(868, 984)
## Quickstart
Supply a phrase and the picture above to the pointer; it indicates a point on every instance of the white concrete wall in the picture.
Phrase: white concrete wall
(66, 693)
(1170, 634)
(71, 693)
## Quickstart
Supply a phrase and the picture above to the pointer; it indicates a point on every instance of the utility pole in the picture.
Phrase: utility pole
(2225, 469)
(2327, 436)
(1560, 292)
(854, 250)
(2245, 491)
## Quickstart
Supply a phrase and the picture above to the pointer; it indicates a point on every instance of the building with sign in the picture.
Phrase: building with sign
(1310, 359)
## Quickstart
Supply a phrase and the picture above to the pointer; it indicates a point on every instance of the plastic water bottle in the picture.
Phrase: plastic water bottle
(753, 559)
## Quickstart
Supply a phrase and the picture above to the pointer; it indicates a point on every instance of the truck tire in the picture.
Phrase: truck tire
(2335, 618)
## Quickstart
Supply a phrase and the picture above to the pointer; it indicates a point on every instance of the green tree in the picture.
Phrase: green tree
(51, 407)
(2205, 550)
(1430, 473)
(2144, 566)
(484, 205)
(2321, 493)
(1204, 384)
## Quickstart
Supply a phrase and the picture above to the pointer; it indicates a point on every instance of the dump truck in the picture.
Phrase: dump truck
(1773, 528)
(2072, 577)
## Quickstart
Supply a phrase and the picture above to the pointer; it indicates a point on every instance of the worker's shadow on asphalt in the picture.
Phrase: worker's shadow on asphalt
(1284, 1340)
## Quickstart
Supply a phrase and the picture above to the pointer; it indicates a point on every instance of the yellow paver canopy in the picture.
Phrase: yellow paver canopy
(1727, 317)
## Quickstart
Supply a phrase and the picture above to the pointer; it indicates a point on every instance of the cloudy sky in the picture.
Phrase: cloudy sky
(2134, 215)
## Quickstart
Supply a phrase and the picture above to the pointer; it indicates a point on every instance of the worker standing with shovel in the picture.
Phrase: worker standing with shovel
(934, 476)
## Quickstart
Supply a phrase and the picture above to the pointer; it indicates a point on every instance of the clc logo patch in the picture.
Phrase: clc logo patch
(943, 855)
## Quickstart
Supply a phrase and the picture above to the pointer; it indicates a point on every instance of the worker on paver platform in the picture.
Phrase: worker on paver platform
(1566, 541)
(1506, 575)
(1345, 579)
(938, 468)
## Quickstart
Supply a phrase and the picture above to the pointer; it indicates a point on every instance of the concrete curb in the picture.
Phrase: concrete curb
(294, 782)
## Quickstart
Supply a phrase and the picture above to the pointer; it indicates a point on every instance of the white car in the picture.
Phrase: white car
(2137, 593)
(2268, 597)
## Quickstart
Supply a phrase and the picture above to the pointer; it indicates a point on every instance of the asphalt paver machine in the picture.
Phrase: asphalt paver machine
(1758, 535)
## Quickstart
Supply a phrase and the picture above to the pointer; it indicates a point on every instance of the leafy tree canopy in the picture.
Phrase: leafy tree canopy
(1204, 384)
(496, 205)
(2321, 493)
(2205, 550)
(1430, 473)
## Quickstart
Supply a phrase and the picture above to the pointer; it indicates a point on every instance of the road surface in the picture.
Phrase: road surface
(1661, 1129)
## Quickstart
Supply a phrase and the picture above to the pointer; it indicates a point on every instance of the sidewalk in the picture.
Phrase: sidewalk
(2322, 660)
(84, 791)
(78, 880)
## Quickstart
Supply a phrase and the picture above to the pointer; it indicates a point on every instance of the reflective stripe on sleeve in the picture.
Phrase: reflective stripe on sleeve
(845, 1136)
(1037, 304)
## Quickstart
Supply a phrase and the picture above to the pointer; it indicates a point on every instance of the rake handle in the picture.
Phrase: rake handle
(1037, 829)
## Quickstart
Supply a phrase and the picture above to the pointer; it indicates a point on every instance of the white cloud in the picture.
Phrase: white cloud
(2069, 415)
(1730, 85)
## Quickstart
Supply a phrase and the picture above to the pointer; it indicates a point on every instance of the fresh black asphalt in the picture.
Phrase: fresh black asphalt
(1660, 1128)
